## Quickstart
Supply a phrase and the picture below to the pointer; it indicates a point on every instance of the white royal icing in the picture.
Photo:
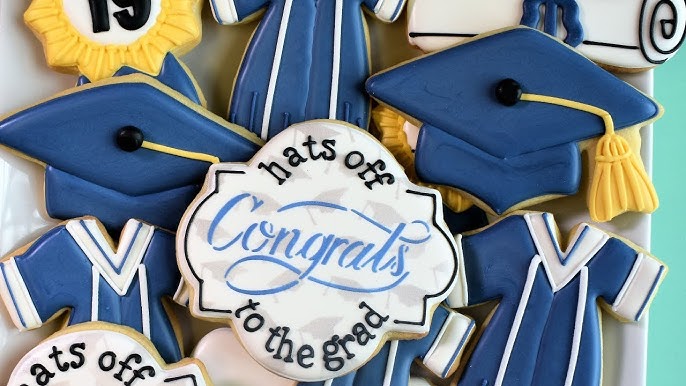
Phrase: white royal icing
(13, 291)
(218, 345)
(388, 10)
(305, 250)
(447, 349)
(336, 60)
(412, 134)
(578, 325)
(519, 316)
(104, 357)
(224, 11)
(79, 13)
(459, 297)
(562, 267)
(626, 34)
(414, 381)
(276, 65)
(133, 244)
(639, 287)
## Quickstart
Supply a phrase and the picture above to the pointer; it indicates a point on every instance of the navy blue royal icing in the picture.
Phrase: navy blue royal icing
(505, 155)
(89, 174)
(546, 326)
(73, 267)
(307, 60)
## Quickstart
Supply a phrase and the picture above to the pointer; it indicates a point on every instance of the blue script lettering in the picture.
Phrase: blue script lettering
(300, 254)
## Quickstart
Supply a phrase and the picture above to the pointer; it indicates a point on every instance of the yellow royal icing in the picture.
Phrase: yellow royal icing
(173, 26)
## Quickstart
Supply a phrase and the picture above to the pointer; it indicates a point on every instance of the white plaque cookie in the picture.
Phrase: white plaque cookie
(102, 354)
(317, 251)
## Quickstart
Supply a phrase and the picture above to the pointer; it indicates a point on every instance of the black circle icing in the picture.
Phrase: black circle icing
(508, 92)
(130, 138)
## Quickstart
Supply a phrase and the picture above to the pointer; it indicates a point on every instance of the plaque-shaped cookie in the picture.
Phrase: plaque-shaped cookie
(317, 251)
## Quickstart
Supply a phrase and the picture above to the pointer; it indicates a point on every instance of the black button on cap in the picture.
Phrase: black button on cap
(508, 92)
(130, 138)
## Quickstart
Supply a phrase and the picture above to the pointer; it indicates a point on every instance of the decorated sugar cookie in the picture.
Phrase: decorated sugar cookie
(127, 147)
(307, 60)
(306, 252)
(440, 351)
(105, 355)
(400, 137)
(217, 346)
(77, 267)
(98, 37)
(546, 327)
(228, 363)
(509, 127)
(630, 35)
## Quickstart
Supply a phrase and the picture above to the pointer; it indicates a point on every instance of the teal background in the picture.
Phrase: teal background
(667, 334)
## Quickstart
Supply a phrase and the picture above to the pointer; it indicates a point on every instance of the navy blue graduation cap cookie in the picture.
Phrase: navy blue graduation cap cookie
(127, 147)
(505, 116)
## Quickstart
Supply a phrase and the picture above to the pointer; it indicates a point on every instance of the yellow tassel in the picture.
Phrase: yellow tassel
(392, 135)
(620, 183)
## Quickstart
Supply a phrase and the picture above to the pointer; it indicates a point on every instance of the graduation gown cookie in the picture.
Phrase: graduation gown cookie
(507, 129)
(440, 351)
(545, 329)
(75, 266)
(307, 60)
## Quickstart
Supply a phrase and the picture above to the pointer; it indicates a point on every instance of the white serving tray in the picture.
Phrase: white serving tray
(25, 79)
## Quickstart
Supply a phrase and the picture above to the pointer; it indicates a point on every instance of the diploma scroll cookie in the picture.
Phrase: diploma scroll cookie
(98, 37)
(305, 252)
(626, 35)
(103, 354)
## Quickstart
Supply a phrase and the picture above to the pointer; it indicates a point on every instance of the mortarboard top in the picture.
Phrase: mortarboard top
(106, 149)
(506, 152)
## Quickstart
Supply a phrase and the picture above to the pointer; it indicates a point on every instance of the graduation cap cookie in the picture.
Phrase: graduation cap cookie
(630, 35)
(123, 148)
(505, 116)
(394, 131)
